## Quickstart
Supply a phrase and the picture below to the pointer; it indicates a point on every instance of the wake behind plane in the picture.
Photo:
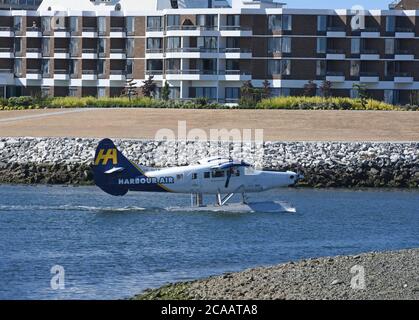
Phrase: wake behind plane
(222, 177)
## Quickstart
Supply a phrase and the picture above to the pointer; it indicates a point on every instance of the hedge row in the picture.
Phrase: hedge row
(292, 103)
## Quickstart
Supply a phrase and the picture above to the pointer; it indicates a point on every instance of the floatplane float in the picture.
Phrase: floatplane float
(224, 178)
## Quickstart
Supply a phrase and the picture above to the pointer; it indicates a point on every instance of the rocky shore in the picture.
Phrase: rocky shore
(324, 164)
(388, 275)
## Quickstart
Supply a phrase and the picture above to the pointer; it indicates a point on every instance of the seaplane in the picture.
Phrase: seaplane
(116, 175)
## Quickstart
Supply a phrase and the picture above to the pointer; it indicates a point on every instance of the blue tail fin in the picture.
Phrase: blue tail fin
(110, 166)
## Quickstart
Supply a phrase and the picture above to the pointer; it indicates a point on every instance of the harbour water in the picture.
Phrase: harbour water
(113, 248)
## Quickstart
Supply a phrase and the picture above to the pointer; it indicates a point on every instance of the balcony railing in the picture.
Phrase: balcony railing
(6, 49)
(335, 73)
(336, 29)
(89, 29)
(235, 50)
(118, 72)
(61, 71)
(89, 72)
(61, 50)
(405, 29)
(369, 51)
(33, 29)
(5, 28)
(191, 50)
(403, 74)
(192, 71)
(153, 72)
(33, 50)
(118, 50)
(154, 29)
(234, 72)
(368, 74)
(6, 70)
(154, 50)
(33, 71)
(235, 28)
(404, 51)
(335, 51)
(90, 50)
(370, 29)
(202, 28)
(118, 29)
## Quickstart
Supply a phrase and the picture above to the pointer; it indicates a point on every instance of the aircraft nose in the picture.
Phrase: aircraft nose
(295, 177)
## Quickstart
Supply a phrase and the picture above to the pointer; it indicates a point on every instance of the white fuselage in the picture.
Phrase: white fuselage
(203, 179)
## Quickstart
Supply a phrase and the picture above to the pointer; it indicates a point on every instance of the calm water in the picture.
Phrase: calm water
(116, 247)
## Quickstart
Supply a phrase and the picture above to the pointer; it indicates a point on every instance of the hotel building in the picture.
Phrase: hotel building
(207, 48)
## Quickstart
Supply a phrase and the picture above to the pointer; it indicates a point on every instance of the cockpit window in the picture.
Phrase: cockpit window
(179, 176)
(206, 175)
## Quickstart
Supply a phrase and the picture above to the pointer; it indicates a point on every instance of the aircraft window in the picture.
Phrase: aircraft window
(206, 175)
(218, 174)
(194, 176)
(179, 176)
(238, 173)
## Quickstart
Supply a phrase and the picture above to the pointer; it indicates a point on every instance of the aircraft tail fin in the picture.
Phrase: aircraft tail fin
(110, 165)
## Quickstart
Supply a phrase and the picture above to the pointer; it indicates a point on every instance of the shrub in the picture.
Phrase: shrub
(22, 101)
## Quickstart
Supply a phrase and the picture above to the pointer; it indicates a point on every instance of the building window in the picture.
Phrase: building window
(390, 23)
(355, 68)
(173, 21)
(130, 44)
(233, 42)
(18, 45)
(72, 92)
(355, 45)
(45, 47)
(389, 46)
(18, 67)
(74, 66)
(174, 93)
(154, 23)
(232, 65)
(74, 24)
(130, 67)
(206, 92)
(130, 25)
(321, 68)
(101, 25)
(173, 43)
(232, 94)
(233, 20)
(322, 23)
(101, 67)
(46, 67)
(207, 21)
(101, 46)
(101, 92)
(17, 23)
(286, 45)
(321, 45)
(154, 43)
(46, 24)
(278, 45)
(207, 42)
(389, 96)
(279, 67)
(280, 22)
(45, 92)
(171, 64)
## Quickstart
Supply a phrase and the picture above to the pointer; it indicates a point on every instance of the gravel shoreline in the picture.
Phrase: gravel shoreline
(370, 276)
(323, 164)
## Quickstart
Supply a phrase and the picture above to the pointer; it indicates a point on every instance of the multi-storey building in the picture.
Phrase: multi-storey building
(206, 48)
(19, 4)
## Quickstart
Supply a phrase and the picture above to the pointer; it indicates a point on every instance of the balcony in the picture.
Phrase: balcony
(61, 74)
(33, 74)
(370, 54)
(405, 33)
(154, 53)
(336, 32)
(235, 53)
(335, 76)
(117, 75)
(6, 53)
(118, 53)
(336, 54)
(404, 55)
(403, 77)
(370, 33)
(118, 32)
(369, 77)
(89, 32)
(235, 75)
(7, 32)
(33, 32)
(89, 75)
(235, 31)
(61, 53)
